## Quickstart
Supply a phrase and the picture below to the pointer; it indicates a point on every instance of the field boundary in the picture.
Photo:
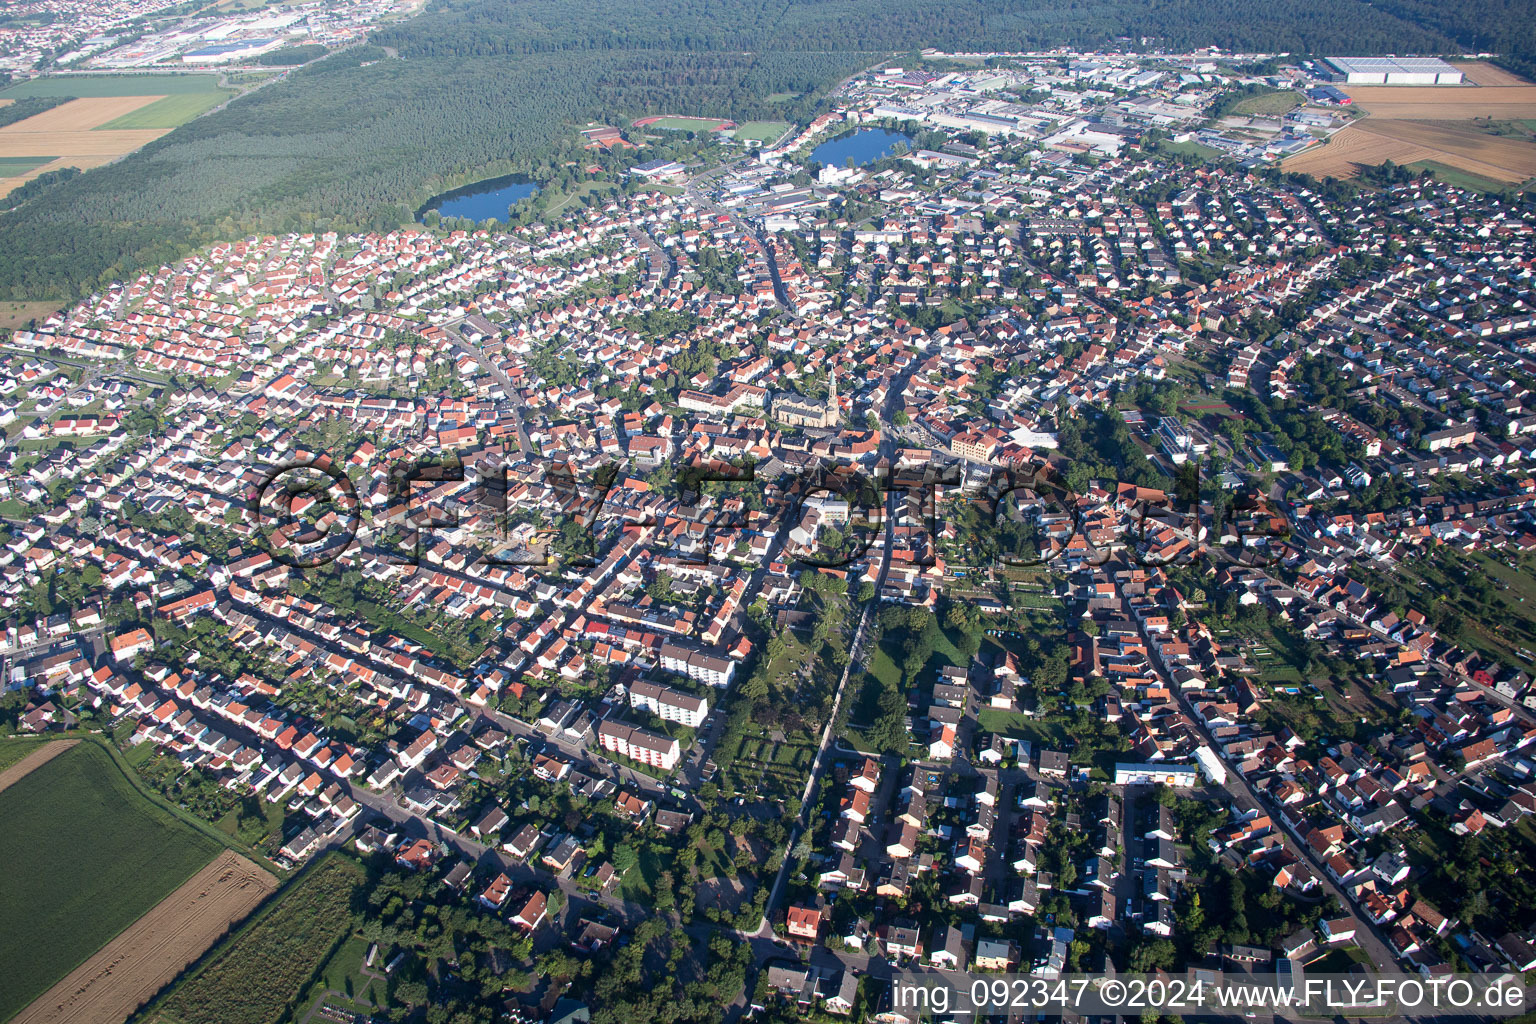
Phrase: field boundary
(152, 1011)
(46, 751)
(160, 942)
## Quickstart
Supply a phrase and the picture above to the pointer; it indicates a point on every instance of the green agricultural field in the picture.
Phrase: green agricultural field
(762, 131)
(12, 751)
(11, 166)
(86, 855)
(254, 976)
(84, 86)
(171, 112)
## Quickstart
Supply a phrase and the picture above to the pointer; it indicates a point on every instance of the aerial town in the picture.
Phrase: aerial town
(1064, 542)
(83, 35)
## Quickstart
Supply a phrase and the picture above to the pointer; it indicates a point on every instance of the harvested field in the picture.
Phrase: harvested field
(1351, 149)
(65, 134)
(168, 111)
(131, 968)
(1483, 73)
(78, 115)
(1464, 145)
(255, 976)
(16, 314)
(1431, 124)
(1445, 102)
(84, 163)
(1371, 142)
(34, 759)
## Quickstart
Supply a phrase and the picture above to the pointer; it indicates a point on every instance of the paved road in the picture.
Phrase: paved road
(695, 191)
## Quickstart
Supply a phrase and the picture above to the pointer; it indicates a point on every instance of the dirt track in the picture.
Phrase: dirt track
(126, 972)
(39, 757)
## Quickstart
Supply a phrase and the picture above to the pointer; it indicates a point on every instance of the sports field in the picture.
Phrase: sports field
(86, 86)
(672, 123)
(1268, 104)
(167, 112)
(85, 856)
(762, 131)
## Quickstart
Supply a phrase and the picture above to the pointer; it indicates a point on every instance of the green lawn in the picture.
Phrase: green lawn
(84, 86)
(762, 131)
(560, 200)
(779, 97)
(636, 883)
(343, 973)
(11, 166)
(1269, 104)
(884, 668)
(1039, 731)
(1190, 149)
(171, 112)
(85, 855)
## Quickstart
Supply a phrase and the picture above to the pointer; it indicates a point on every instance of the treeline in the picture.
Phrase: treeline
(301, 54)
(27, 106)
(1505, 27)
(492, 27)
(40, 184)
(360, 140)
(340, 145)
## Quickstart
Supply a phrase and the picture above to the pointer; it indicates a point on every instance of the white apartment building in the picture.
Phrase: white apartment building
(668, 704)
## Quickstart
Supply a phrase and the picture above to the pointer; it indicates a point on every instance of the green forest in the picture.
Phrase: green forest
(362, 138)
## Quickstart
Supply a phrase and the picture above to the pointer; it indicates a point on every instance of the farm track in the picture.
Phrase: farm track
(127, 972)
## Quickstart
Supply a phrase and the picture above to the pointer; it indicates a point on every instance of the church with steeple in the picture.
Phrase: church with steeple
(794, 410)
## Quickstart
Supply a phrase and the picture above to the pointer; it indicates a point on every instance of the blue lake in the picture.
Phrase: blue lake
(482, 200)
(862, 147)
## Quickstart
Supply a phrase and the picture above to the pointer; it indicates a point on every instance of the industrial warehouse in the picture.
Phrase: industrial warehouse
(1395, 71)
